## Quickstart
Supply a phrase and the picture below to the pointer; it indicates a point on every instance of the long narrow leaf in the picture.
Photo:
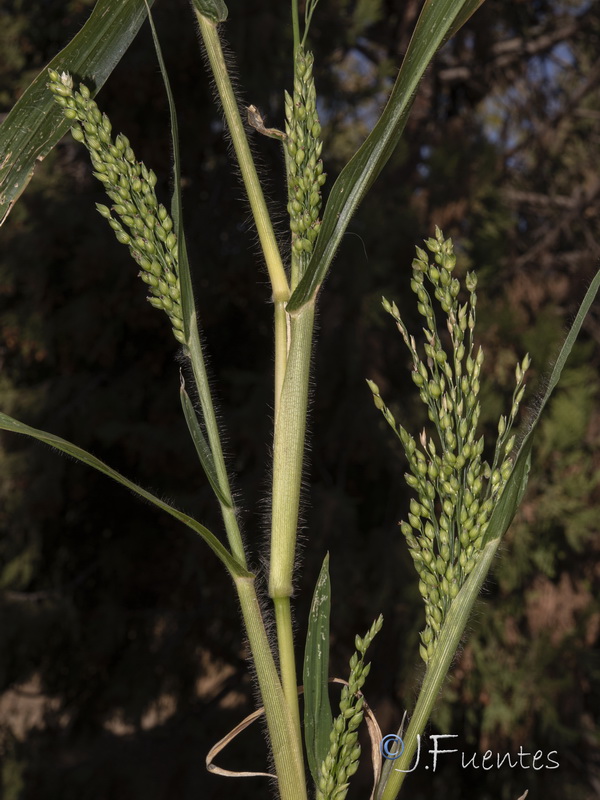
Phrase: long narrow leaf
(35, 124)
(437, 20)
(496, 524)
(204, 453)
(9, 424)
(317, 710)
(458, 615)
(187, 295)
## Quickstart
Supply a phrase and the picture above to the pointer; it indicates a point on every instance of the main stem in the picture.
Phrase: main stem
(281, 704)
(288, 456)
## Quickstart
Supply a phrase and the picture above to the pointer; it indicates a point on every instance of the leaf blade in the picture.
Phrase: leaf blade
(438, 19)
(318, 718)
(14, 426)
(506, 509)
(204, 452)
(35, 123)
(185, 280)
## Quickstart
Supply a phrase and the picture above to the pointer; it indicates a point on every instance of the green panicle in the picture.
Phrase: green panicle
(459, 497)
(342, 759)
(140, 222)
(305, 168)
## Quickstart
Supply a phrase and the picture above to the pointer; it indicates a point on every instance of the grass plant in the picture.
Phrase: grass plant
(462, 505)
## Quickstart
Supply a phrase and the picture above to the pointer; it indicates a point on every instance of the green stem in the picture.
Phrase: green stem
(288, 453)
(295, 26)
(280, 708)
(288, 456)
(286, 747)
(287, 659)
(196, 356)
(281, 352)
(266, 235)
(437, 671)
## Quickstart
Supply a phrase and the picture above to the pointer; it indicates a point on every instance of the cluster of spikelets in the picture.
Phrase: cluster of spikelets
(341, 762)
(136, 216)
(304, 165)
(456, 489)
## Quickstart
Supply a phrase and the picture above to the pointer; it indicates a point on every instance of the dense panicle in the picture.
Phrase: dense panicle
(456, 491)
(304, 165)
(341, 762)
(137, 218)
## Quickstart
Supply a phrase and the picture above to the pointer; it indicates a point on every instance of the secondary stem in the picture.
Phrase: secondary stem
(295, 25)
(279, 282)
(234, 536)
(287, 749)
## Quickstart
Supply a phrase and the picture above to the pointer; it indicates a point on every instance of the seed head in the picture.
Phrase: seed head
(135, 216)
(305, 168)
(460, 491)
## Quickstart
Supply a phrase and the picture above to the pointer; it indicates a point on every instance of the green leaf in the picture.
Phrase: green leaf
(317, 710)
(513, 491)
(214, 10)
(437, 20)
(9, 424)
(204, 452)
(35, 124)
(185, 280)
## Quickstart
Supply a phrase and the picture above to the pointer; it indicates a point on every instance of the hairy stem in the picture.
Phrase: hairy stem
(288, 455)
(286, 747)
(287, 659)
(196, 356)
(279, 282)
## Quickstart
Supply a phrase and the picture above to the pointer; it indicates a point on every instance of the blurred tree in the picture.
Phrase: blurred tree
(120, 654)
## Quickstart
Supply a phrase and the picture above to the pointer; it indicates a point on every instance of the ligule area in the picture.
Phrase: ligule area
(455, 489)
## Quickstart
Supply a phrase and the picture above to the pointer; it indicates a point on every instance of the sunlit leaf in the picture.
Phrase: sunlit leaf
(35, 124)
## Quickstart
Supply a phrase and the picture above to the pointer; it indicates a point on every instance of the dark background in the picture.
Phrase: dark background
(121, 654)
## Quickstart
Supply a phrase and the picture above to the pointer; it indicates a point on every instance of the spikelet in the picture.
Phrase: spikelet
(456, 490)
(136, 216)
(304, 165)
(341, 762)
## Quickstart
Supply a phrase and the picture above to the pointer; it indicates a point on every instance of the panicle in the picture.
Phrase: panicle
(135, 216)
(455, 490)
(304, 164)
(341, 762)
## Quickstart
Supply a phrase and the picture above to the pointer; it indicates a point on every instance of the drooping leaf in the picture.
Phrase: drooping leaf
(35, 124)
(318, 719)
(187, 295)
(513, 491)
(437, 20)
(9, 424)
(204, 452)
